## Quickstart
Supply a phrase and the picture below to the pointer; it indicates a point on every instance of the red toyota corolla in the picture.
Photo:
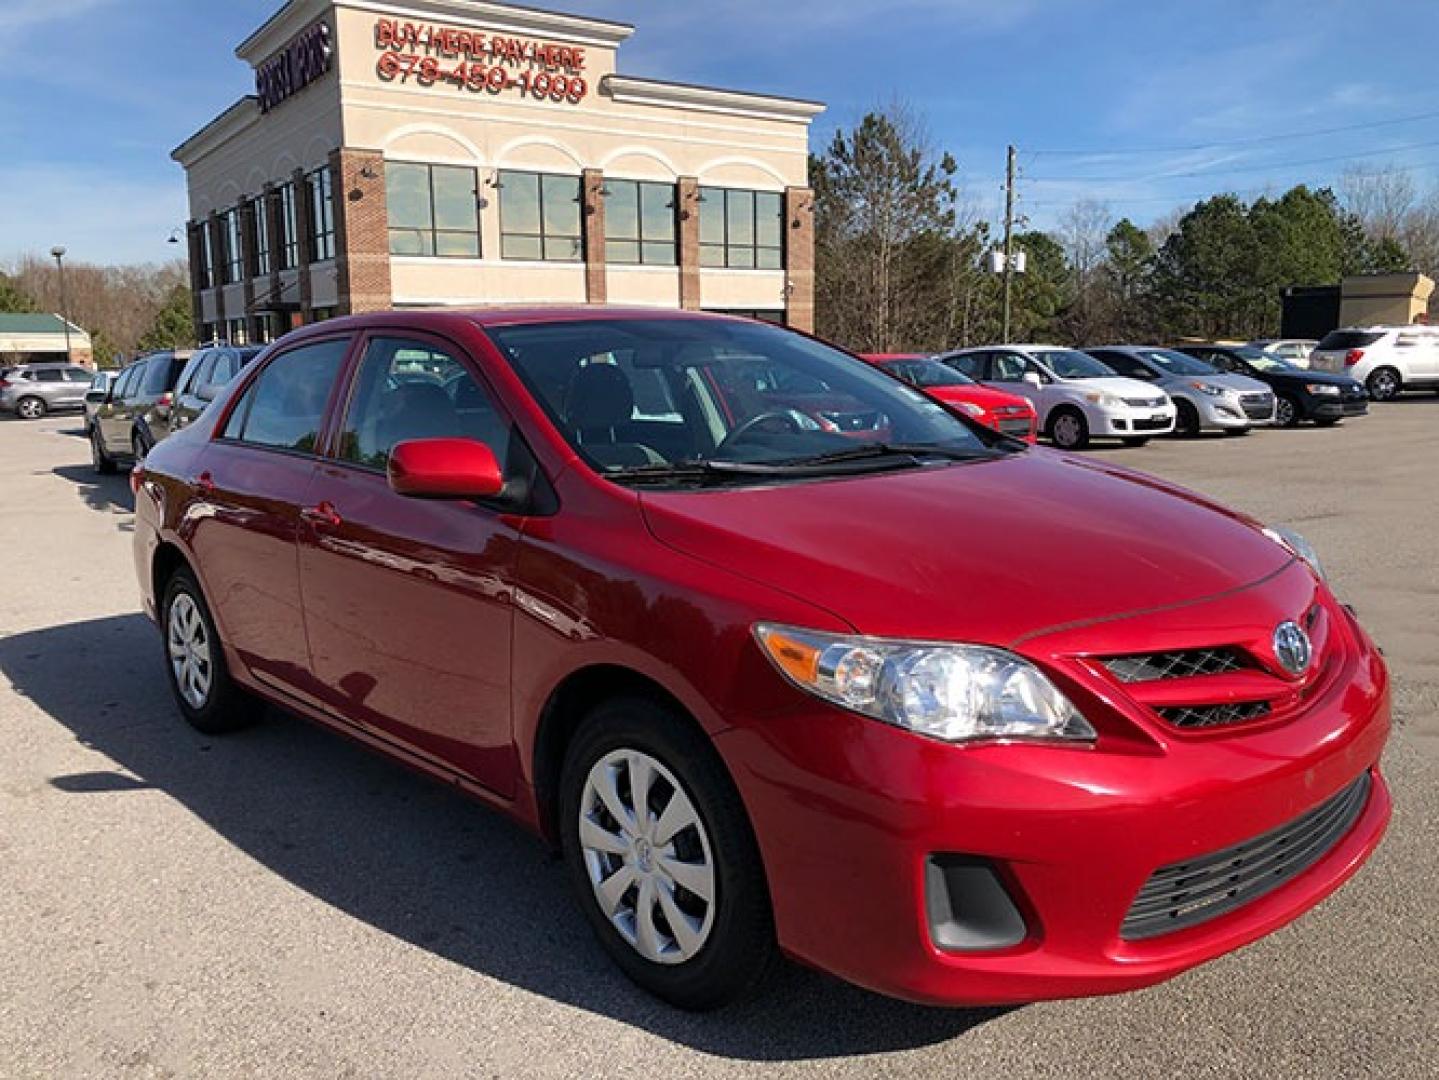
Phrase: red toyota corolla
(954, 718)
(1008, 413)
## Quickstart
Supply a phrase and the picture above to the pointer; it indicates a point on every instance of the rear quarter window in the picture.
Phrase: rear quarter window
(1336, 340)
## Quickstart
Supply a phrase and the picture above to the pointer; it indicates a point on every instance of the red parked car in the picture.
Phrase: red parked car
(954, 718)
(1008, 413)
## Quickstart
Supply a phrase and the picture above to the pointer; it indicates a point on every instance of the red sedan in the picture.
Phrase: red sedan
(1008, 413)
(954, 718)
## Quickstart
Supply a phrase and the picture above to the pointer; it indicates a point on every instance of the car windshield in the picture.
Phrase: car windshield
(1072, 364)
(707, 400)
(1176, 363)
(926, 372)
(1264, 361)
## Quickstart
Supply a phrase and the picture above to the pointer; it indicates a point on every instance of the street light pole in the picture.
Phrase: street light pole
(59, 253)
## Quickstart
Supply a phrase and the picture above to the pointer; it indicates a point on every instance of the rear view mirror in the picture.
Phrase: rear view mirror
(1033, 379)
(445, 469)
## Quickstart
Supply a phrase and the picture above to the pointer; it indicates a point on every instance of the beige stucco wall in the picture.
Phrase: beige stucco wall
(1384, 299)
(485, 281)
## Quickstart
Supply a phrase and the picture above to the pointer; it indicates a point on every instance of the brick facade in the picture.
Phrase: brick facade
(799, 258)
(362, 231)
(592, 195)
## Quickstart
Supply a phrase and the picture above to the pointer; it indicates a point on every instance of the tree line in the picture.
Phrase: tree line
(901, 254)
(126, 309)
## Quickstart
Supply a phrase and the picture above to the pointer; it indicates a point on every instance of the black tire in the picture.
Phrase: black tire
(1186, 423)
(31, 408)
(1384, 384)
(1287, 412)
(100, 460)
(1059, 431)
(226, 708)
(740, 948)
(1136, 440)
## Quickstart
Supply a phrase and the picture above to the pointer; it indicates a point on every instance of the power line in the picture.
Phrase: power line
(1253, 140)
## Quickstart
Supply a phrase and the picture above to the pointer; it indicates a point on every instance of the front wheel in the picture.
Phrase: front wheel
(1069, 430)
(1186, 423)
(100, 460)
(195, 661)
(1286, 412)
(661, 854)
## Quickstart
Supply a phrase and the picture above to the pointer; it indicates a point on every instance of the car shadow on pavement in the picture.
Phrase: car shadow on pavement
(409, 856)
(107, 494)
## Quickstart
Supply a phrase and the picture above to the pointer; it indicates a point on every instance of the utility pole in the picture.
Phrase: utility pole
(59, 255)
(1008, 237)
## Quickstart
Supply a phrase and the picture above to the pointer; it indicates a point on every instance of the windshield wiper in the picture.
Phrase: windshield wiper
(881, 450)
(869, 457)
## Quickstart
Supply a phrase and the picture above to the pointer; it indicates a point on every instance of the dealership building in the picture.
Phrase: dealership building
(462, 152)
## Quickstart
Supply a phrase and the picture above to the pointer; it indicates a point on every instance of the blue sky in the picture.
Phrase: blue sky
(95, 93)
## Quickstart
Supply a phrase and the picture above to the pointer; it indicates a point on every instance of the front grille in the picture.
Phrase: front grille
(1144, 402)
(1208, 716)
(1152, 425)
(1183, 664)
(1189, 893)
(1257, 406)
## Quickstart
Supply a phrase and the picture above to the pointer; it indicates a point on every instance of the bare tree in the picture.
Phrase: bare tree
(116, 304)
(1083, 230)
(1382, 200)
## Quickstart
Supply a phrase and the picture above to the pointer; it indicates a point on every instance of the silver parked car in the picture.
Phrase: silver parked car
(1206, 397)
(31, 391)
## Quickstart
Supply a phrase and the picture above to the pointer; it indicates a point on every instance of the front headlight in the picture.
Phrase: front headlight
(1324, 389)
(955, 693)
(976, 411)
(1297, 546)
(1208, 388)
(1108, 401)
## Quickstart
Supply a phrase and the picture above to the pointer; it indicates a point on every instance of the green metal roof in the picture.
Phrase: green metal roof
(34, 324)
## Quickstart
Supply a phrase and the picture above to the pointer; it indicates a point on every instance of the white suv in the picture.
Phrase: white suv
(1077, 397)
(1386, 359)
(1295, 350)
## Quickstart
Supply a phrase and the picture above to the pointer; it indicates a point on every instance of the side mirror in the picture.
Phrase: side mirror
(445, 469)
(1033, 379)
(96, 397)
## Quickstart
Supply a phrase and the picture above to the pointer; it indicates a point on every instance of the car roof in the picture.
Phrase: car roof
(516, 315)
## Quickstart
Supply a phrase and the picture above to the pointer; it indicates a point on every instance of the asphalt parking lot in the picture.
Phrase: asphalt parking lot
(281, 903)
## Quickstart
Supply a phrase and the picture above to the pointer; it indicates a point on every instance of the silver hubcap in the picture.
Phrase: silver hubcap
(1384, 386)
(30, 409)
(648, 856)
(189, 650)
(1066, 431)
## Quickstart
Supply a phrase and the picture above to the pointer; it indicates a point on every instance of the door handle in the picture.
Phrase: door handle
(322, 515)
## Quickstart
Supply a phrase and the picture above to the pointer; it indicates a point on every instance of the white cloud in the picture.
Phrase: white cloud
(96, 212)
(24, 14)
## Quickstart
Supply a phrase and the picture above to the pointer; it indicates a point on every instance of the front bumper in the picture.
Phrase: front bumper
(1135, 423)
(850, 813)
(1337, 409)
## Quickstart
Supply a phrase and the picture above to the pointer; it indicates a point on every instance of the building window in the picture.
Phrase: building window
(742, 230)
(207, 260)
(289, 229)
(262, 236)
(232, 255)
(540, 217)
(322, 215)
(640, 223)
(434, 210)
(238, 332)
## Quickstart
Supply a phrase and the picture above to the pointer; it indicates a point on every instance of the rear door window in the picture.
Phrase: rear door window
(78, 375)
(284, 408)
(49, 375)
(157, 376)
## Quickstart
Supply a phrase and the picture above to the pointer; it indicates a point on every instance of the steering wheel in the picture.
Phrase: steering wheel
(793, 421)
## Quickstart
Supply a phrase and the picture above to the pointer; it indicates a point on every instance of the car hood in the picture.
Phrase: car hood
(1308, 375)
(988, 552)
(982, 396)
(1114, 384)
(1243, 383)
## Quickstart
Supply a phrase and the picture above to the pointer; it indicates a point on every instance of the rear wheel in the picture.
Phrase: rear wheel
(30, 408)
(100, 460)
(1068, 429)
(1384, 384)
(662, 857)
(1286, 411)
(195, 661)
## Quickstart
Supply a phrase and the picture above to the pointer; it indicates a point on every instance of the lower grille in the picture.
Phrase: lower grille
(1190, 893)
(1144, 402)
(1014, 427)
(1153, 425)
(1257, 406)
(1207, 716)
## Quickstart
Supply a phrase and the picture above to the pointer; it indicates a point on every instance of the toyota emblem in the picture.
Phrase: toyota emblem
(1292, 648)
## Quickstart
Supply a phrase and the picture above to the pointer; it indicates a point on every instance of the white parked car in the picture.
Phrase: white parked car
(1077, 397)
(1295, 350)
(1386, 359)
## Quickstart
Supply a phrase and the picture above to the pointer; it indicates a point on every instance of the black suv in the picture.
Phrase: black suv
(209, 371)
(1300, 395)
(134, 414)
